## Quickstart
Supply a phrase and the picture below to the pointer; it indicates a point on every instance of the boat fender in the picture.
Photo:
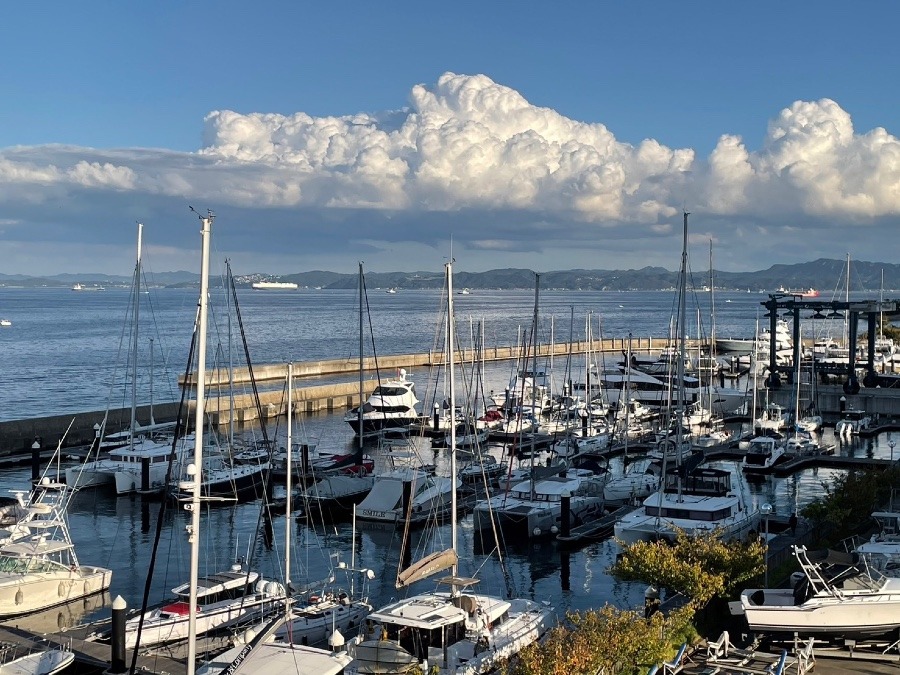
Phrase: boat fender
(20, 597)
(88, 589)
(62, 589)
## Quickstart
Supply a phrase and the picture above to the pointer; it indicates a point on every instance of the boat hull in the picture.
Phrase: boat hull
(775, 612)
(23, 594)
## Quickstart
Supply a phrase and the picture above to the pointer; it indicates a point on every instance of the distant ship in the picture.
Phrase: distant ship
(274, 285)
(82, 287)
(803, 293)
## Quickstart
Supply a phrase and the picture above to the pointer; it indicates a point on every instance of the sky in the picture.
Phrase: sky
(535, 135)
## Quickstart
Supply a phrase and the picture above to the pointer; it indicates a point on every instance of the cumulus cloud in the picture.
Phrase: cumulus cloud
(475, 156)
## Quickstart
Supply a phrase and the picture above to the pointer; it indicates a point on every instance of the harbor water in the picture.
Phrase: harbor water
(64, 352)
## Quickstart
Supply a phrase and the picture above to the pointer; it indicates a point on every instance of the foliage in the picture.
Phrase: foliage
(700, 566)
(608, 640)
(848, 502)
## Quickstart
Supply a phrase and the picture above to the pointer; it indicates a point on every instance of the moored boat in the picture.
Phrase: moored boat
(40, 569)
(838, 596)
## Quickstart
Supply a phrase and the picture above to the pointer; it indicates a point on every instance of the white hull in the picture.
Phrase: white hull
(47, 662)
(313, 625)
(21, 594)
(639, 526)
(867, 615)
(161, 627)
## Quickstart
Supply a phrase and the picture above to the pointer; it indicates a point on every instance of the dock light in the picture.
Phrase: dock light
(891, 443)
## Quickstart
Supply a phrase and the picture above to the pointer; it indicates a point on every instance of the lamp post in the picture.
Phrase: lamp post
(766, 510)
(892, 443)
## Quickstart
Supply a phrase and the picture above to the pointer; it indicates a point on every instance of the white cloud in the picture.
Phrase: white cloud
(467, 156)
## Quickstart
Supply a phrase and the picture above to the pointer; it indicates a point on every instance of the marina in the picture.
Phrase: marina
(567, 570)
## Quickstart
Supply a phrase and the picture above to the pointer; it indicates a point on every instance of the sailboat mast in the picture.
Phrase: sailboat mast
(682, 338)
(194, 529)
(451, 383)
(134, 350)
(287, 465)
(534, 332)
(359, 413)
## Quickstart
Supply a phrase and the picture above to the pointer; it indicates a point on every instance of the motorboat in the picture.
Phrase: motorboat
(838, 596)
(763, 454)
(534, 506)
(852, 421)
(774, 417)
(528, 388)
(695, 501)
(223, 599)
(40, 660)
(654, 391)
(39, 569)
(391, 405)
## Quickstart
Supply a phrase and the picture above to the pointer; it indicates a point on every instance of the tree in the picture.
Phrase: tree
(609, 640)
(699, 566)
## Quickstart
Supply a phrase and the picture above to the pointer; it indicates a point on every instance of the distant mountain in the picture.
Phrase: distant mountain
(828, 276)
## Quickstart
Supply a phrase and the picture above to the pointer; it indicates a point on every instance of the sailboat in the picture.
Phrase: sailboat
(137, 460)
(694, 500)
(454, 631)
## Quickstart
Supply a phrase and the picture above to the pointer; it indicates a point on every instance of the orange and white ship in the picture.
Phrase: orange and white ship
(807, 293)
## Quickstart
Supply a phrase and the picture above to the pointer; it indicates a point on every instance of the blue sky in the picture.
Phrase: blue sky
(542, 135)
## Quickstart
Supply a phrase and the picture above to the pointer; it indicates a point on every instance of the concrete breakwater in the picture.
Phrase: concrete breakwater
(79, 429)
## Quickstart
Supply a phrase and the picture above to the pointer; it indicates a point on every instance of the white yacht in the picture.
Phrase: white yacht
(534, 506)
(763, 454)
(223, 599)
(701, 501)
(838, 596)
(528, 388)
(654, 391)
(852, 421)
(774, 417)
(40, 569)
(392, 405)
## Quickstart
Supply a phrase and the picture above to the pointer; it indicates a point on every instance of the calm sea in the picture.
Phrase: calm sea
(65, 352)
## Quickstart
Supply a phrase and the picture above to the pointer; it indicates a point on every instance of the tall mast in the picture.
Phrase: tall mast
(359, 410)
(682, 324)
(134, 349)
(287, 465)
(196, 478)
(452, 393)
(534, 332)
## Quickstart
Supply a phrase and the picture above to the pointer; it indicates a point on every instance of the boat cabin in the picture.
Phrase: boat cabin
(703, 481)
(220, 587)
(760, 451)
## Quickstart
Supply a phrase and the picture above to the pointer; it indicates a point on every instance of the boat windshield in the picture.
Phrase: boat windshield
(417, 640)
(16, 565)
